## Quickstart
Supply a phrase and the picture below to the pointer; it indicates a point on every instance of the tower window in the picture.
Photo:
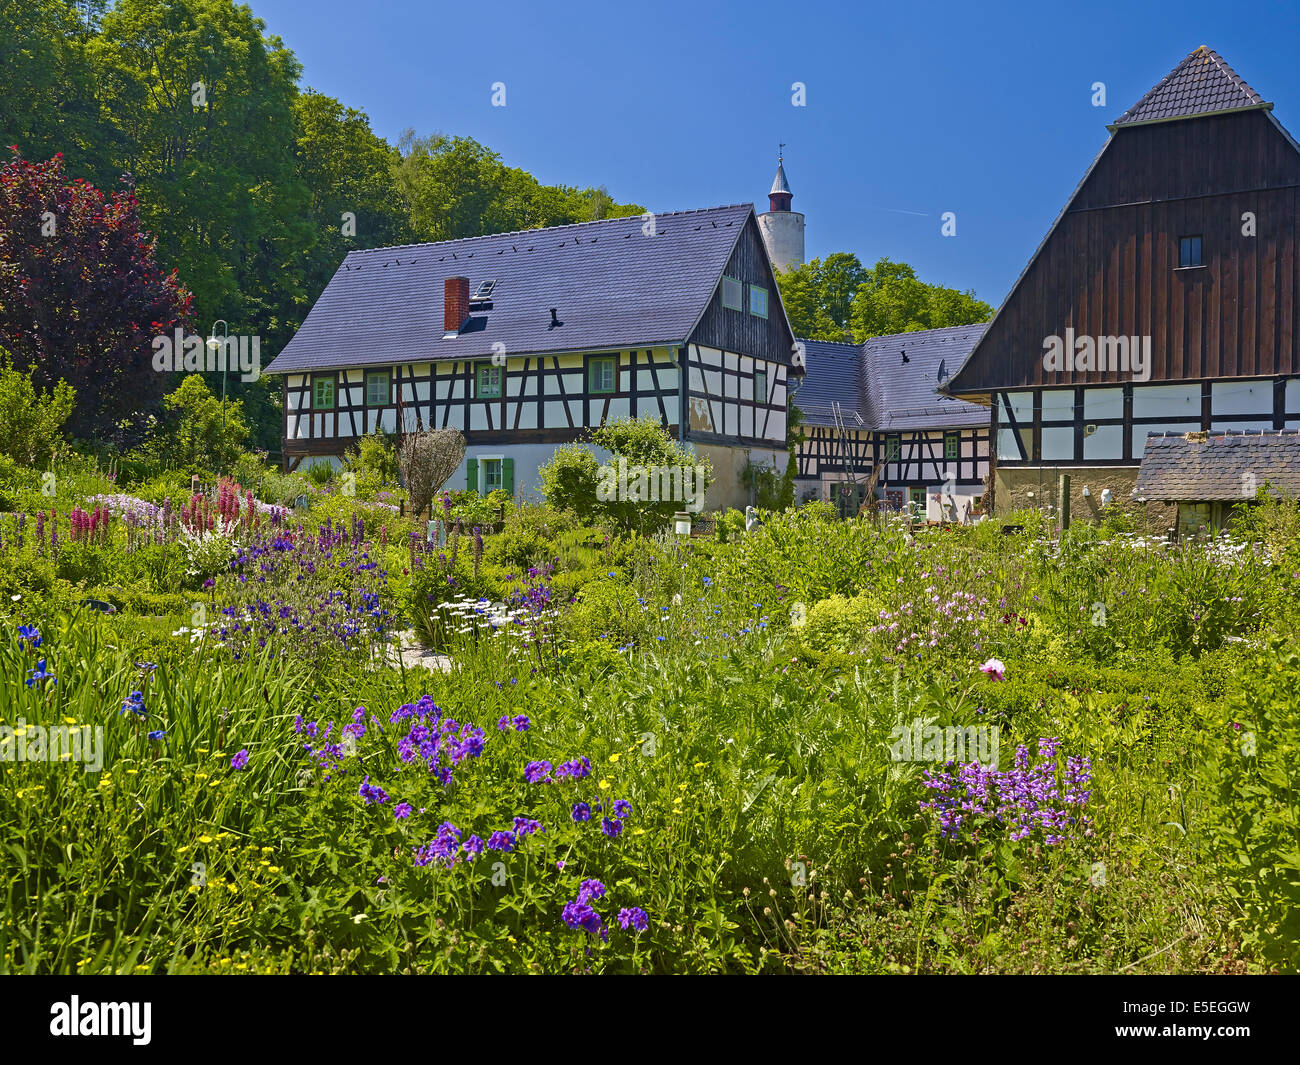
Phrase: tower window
(1189, 252)
(731, 294)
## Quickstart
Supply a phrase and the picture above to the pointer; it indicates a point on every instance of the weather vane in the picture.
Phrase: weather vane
(780, 152)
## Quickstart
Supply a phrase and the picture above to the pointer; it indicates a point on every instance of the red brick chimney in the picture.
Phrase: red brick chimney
(455, 305)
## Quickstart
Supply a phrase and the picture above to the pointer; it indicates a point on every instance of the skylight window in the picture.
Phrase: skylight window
(484, 290)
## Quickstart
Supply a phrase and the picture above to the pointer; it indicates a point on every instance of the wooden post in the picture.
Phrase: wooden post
(1063, 500)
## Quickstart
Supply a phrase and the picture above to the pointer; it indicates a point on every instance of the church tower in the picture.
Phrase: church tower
(781, 227)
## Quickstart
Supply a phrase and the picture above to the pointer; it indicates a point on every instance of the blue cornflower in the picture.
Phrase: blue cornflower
(158, 734)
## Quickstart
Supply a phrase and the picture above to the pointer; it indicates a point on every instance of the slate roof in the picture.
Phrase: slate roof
(1201, 84)
(1177, 469)
(831, 374)
(903, 395)
(612, 287)
(888, 394)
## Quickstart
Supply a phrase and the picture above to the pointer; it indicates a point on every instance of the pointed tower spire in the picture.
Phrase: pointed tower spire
(782, 228)
(780, 196)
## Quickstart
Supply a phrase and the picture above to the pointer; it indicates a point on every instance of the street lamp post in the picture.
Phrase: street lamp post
(224, 347)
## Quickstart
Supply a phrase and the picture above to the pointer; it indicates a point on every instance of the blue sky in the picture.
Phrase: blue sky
(912, 109)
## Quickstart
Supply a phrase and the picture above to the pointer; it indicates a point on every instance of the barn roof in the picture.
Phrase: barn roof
(612, 286)
(1219, 466)
(1201, 84)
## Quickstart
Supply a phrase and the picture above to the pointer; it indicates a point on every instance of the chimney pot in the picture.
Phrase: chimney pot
(455, 305)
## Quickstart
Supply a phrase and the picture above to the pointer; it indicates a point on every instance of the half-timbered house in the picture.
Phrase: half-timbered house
(530, 339)
(1164, 298)
(872, 413)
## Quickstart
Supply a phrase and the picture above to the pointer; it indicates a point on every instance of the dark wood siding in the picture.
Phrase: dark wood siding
(1109, 266)
(739, 331)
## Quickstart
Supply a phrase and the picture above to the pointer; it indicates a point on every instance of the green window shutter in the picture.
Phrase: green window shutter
(471, 475)
(508, 475)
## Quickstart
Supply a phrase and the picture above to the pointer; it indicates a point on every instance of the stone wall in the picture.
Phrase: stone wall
(1022, 488)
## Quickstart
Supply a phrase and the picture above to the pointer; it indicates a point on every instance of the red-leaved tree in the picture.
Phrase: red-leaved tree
(81, 295)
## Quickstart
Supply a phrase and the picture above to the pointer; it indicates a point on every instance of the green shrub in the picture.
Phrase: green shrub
(604, 610)
(31, 420)
(573, 480)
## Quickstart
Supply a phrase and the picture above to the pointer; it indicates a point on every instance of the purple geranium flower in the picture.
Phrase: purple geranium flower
(240, 760)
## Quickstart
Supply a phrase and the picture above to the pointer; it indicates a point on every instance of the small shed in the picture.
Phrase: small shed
(1207, 474)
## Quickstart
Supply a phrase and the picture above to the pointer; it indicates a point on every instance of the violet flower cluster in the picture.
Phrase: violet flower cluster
(1029, 797)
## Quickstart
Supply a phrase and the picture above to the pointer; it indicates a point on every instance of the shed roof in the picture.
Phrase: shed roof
(1219, 466)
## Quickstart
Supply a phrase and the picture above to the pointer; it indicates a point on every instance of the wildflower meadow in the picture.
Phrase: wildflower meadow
(245, 736)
